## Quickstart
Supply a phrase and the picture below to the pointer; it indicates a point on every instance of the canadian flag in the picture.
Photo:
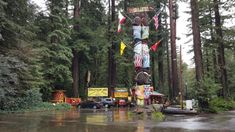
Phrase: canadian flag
(121, 20)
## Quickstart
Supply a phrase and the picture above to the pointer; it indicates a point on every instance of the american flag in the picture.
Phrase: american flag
(155, 18)
(138, 60)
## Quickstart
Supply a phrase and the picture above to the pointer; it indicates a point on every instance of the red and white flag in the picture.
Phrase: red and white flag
(121, 20)
(155, 46)
(155, 18)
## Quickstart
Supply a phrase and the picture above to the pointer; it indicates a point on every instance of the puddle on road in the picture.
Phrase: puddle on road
(116, 120)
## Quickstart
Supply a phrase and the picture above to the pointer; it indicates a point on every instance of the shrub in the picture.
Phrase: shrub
(158, 116)
(28, 100)
(205, 91)
(219, 104)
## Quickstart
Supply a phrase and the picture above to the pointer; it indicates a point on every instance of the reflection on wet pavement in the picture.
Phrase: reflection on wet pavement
(113, 120)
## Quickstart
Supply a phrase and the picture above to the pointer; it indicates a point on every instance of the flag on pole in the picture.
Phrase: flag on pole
(155, 18)
(121, 20)
(155, 46)
(122, 47)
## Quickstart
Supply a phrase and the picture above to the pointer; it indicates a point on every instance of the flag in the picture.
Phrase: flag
(122, 47)
(155, 18)
(121, 20)
(155, 46)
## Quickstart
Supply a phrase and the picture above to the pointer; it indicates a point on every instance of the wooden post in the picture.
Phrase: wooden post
(181, 81)
(173, 50)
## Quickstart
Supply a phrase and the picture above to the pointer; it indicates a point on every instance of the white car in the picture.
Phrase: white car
(108, 102)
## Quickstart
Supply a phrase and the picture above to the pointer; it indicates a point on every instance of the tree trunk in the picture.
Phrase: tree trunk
(168, 65)
(160, 57)
(197, 50)
(75, 63)
(75, 73)
(221, 58)
(215, 63)
(154, 71)
(112, 63)
(169, 74)
(196, 40)
(173, 51)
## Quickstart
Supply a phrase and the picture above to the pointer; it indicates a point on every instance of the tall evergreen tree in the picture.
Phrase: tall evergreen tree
(58, 59)
(221, 54)
(20, 68)
(197, 51)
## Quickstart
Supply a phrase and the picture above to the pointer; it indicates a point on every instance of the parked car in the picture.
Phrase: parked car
(90, 104)
(108, 102)
(122, 102)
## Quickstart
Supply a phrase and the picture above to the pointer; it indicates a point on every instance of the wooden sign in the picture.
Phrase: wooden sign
(140, 9)
(97, 92)
(120, 94)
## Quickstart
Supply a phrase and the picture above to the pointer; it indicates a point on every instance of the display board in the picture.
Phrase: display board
(97, 92)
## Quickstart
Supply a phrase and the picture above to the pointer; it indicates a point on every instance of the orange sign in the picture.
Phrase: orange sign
(120, 94)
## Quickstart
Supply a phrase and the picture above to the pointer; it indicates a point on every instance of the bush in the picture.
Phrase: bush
(158, 116)
(28, 100)
(51, 106)
(205, 91)
(219, 104)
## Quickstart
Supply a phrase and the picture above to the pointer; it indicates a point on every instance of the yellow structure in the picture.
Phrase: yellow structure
(97, 92)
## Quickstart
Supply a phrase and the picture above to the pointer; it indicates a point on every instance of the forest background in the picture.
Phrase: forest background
(42, 51)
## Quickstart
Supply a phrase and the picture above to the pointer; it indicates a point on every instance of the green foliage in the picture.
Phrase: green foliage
(35, 51)
(20, 68)
(28, 100)
(219, 104)
(158, 116)
(56, 58)
(205, 91)
(51, 106)
(91, 42)
(231, 74)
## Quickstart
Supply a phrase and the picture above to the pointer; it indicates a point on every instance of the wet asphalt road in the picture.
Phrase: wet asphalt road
(113, 120)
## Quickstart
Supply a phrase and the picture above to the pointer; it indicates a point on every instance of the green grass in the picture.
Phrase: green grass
(44, 106)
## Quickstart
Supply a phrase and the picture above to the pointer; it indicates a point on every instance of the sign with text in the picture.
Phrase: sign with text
(97, 92)
(140, 9)
(120, 93)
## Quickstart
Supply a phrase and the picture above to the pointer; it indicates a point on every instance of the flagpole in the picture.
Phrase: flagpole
(127, 44)
(156, 12)
(127, 16)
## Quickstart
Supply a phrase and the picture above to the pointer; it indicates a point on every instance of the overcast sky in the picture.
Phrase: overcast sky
(181, 29)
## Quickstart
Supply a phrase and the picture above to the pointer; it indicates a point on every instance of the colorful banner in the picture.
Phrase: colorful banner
(147, 91)
(140, 92)
(97, 92)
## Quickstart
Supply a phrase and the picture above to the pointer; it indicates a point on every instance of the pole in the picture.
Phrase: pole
(181, 80)
(175, 81)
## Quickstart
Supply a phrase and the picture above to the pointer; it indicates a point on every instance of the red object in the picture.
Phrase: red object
(121, 20)
(58, 96)
(73, 101)
(121, 102)
(155, 46)
(155, 18)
